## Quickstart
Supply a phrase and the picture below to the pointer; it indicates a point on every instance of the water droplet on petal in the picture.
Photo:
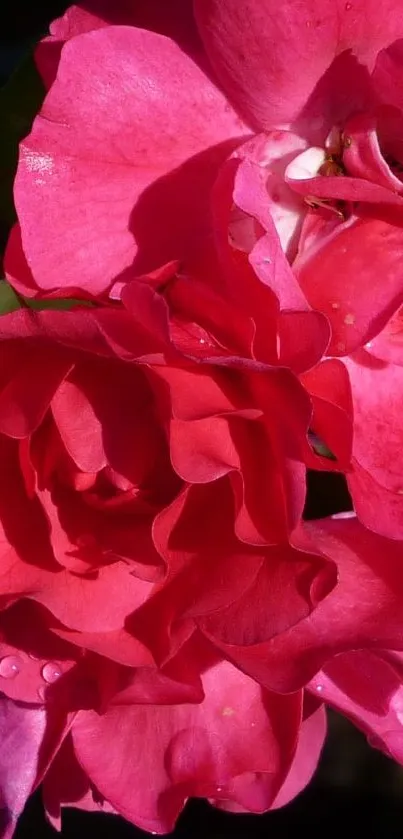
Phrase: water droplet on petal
(335, 305)
(319, 688)
(34, 657)
(10, 666)
(51, 672)
(349, 319)
(348, 7)
(219, 789)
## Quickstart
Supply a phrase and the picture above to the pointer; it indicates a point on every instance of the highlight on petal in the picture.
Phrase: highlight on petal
(22, 731)
(107, 161)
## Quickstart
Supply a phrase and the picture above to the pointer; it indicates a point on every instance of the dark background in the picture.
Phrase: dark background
(356, 789)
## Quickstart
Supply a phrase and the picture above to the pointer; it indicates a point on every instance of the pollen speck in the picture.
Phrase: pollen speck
(228, 712)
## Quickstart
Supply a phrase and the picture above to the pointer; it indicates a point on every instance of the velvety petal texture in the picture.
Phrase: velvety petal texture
(119, 158)
(207, 260)
(286, 49)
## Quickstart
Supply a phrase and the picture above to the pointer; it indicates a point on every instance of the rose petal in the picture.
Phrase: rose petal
(272, 67)
(198, 748)
(80, 164)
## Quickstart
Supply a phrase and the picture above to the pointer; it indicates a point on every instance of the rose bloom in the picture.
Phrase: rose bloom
(129, 157)
(170, 626)
(141, 538)
(164, 616)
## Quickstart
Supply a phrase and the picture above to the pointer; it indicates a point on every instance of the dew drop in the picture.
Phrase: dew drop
(10, 666)
(319, 688)
(349, 319)
(348, 7)
(51, 672)
(202, 340)
(219, 789)
(335, 305)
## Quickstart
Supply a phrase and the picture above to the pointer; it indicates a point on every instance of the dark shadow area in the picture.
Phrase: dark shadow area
(327, 494)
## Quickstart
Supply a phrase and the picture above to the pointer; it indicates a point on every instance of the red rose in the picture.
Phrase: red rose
(155, 450)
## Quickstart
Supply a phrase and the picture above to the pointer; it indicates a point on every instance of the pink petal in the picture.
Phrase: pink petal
(310, 744)
(303, 339)
(388, 344)
(66, 784)
(271, 67)
(268, 156)
(28, 567)
(378, 508)
(25, 396)
(158, 756)
(355, 279)
(346, 188)
(387, 76)
(329, 387)
(22, 732)
(363, 157)
(281, 595)
(366, 688)
(175, 21)
(362, 611)
(99, 154)
(267, 257)
(377, 389)
(16, 268)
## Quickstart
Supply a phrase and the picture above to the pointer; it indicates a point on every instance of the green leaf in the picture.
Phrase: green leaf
(9, 301)
(20, 100)
(319, 447)
(55, 303)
